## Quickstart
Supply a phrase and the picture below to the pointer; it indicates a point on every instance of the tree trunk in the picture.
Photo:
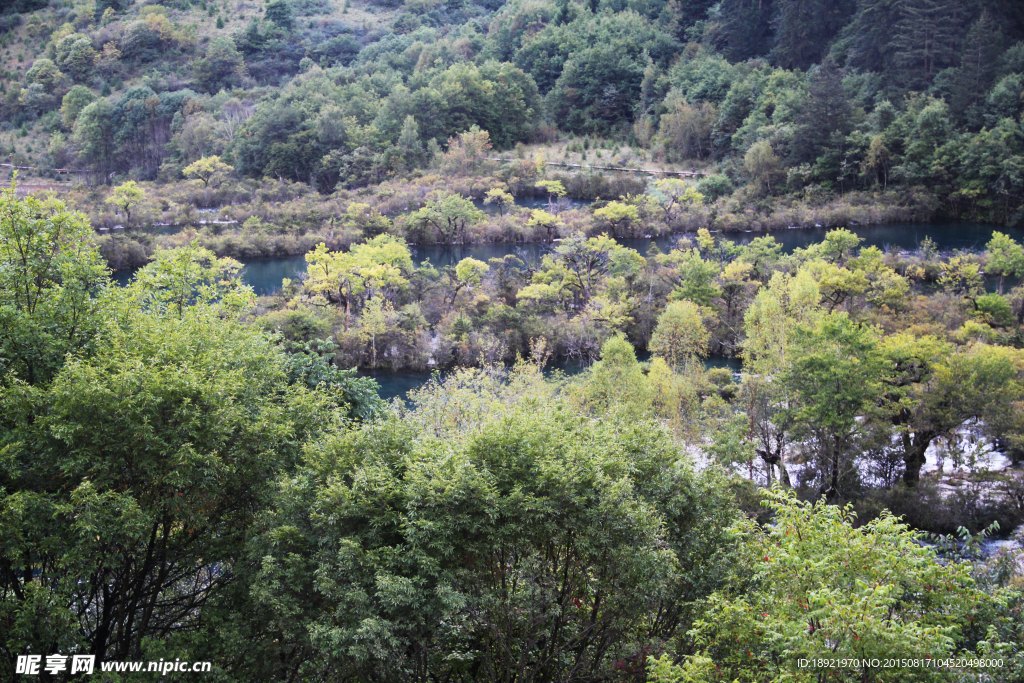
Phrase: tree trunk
(914, 449)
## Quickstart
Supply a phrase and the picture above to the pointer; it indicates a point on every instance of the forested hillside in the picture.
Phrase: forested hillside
(804, 98)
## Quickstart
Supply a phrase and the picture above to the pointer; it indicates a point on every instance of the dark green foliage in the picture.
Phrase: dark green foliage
(221, 66)
(312, 367)
(804, 29)
(280, 12)
(979, 62)
(825, 115)
(925, 40)
(715, 186)
(741, 29)
(28, 5)
(594, 65)
(539, 521)
(867, 39)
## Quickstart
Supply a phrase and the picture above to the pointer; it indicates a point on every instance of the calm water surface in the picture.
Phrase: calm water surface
(265, 275)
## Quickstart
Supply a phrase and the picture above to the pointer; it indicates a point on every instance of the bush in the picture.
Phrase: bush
(714, 186)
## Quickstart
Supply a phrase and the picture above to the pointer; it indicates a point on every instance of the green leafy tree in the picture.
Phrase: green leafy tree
(674, 195)
(280, 12)
(410, 143)
(94, 133)
(46, 74)
(836, 377)
(221, 65)
(382, 264)
(555, 191)
(52, 285)
(126, 196)
(693, 278)
(818, 584)
(77, 99)
(207, 169)
(131, 481)
(75, 56)
(182, 279)
(500, 198)
(549, 222)
(1005, 256)
(449, 215)
(312, 367)
(763, 164)
(515, 527)
(680, 336)
(617, 215)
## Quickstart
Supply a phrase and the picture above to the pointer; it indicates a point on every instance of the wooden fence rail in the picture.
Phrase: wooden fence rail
(685, 174)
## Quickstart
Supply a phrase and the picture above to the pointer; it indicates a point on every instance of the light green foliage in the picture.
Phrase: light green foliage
(207, 169)
(617, 381)
(500, 198)
(546, 220)
(772, 318)
(763, 164)
(367, 219)
(617, 215)
(961, 276)
(52, 286)
(578, 266)
(694, 278)
(46, 74)
(554, 188)
(75, 56)
(673, 195)
(819, 587)
(94, 133)
(449, 215)
(125, 196)
(188, 277)
(77, 99)
(1005, 256)
(382, 264)
(883, 285)
(471, 271)
(836, 377)
(680, 336)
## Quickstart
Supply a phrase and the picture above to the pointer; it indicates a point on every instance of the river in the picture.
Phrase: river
(265, 275)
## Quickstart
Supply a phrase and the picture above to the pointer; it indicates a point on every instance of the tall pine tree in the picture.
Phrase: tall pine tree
(804, 29)
(869, 35)
(826, 116)
(926, 40)
(979, 61)
(741, 29)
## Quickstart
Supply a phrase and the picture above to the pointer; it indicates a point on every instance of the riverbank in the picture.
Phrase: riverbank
(248, 219)
(266, 267)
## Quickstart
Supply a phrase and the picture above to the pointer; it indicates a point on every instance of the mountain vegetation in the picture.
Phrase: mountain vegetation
(771, 465)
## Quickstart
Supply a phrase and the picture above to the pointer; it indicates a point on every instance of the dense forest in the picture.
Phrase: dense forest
(655, 448)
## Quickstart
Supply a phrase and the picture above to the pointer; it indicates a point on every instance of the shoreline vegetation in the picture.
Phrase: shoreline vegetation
(250, 220)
